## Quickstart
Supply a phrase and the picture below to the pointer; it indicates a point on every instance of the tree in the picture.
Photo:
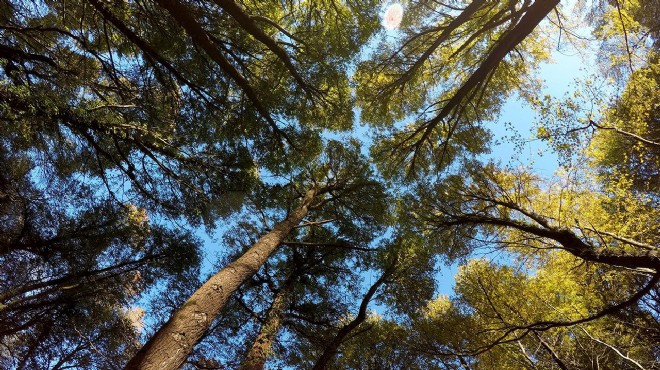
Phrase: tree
(601, 213)
(381, 344)
(183, 126)
(342, 175)
(128, 125)
(98, 94)
(499, 329)
(627, 143)
(412, 77)
(71, 275)
(258, 353)
(495, 202)
(332, 347)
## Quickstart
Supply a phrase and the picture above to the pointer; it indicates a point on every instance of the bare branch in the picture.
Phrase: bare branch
(616, 350)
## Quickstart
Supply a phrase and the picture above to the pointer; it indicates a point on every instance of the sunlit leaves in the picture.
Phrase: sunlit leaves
(423, 78)
(627, 141)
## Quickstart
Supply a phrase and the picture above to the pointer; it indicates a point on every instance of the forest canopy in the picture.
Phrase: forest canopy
(250, 184)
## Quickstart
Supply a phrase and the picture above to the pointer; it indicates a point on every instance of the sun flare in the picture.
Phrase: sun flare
(393, 16)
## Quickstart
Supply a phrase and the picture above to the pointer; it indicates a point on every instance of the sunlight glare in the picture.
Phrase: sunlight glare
(392, 17)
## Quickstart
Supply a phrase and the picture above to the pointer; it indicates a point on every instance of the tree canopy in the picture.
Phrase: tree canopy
(220, 184)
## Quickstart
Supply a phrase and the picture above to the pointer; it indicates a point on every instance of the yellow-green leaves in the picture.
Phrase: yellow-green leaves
(627, 144)
(448, 73)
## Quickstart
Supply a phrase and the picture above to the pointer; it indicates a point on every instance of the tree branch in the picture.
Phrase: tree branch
(625, 133)
(333, 347)
(182, 15)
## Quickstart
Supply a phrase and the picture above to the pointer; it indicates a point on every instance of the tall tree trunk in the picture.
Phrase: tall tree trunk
(258, 354)
(169, 347)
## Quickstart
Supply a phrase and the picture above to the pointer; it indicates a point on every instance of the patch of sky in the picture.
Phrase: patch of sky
(515, 126)
(515, 143)
(514, 133)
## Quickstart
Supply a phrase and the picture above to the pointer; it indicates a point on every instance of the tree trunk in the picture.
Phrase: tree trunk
(169, 347)
(507, 43)
(258, 354)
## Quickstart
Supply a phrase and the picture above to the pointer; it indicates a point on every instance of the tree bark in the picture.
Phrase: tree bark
(258, 353)
(633, 259)
(169, 347)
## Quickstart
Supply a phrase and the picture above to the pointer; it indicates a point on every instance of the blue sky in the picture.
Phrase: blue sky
(560, 76)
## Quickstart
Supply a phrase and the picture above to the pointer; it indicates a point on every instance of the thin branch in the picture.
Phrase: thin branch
(552, 352)
(630, 134)
(112, 106)
(276, 25)
(329, 245)
(616, 350)
(625, 240)
(625, 34)
(317, 223)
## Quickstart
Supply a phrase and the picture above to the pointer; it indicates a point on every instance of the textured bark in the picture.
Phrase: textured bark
(174, 341)
(258, 354)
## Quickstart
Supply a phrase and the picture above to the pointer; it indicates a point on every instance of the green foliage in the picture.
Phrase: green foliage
(381, 346)
(71, 273)
(417, 87)
(125, 125)
(486, 320)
